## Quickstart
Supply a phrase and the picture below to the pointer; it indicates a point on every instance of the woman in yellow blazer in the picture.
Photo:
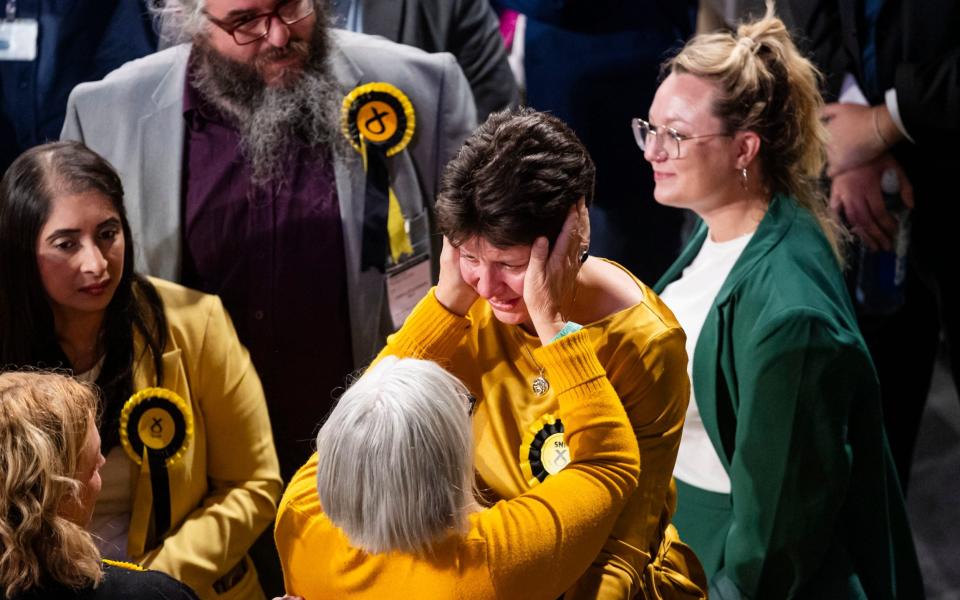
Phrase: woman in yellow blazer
(386, 508)
(191, 476)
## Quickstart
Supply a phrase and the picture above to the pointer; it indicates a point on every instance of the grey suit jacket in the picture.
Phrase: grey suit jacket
(134, 118)
(468, 29)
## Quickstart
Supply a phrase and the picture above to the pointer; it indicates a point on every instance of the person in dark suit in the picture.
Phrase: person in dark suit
(591, 64)
(468, 29)
(905, 58)
(78, 40)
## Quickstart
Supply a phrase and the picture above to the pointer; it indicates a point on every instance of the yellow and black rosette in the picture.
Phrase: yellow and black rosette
(544, 450)
(378, 113)
(378, 120)
(156, 426)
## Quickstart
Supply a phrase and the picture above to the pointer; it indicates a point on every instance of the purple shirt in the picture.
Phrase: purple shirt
(275, 256)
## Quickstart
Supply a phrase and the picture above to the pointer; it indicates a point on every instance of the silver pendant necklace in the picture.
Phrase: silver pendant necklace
(539, 385)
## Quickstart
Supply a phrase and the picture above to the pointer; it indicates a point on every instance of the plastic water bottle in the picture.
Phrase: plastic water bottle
(883, 273)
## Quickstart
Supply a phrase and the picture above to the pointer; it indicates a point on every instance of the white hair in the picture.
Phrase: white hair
(178, 20)
(395, 468)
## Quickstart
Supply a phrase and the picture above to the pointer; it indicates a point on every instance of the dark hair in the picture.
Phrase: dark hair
(514, 180)
(27, 336)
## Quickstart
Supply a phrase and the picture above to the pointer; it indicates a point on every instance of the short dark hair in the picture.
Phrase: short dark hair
(27, 336)
(514, 180)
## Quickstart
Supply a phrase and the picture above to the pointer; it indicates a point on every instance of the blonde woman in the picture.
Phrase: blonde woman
(50, 458)
(786, 486)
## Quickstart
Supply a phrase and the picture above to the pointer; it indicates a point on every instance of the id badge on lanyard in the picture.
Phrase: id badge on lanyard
(407, 283)
(18, 37)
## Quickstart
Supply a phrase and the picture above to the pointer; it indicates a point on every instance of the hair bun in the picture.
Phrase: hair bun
(748, 42)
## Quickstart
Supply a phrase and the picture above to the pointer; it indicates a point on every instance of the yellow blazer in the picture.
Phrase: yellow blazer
(224, 491)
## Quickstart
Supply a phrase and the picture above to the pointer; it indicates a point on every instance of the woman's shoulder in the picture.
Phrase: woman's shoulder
(799, 274)
(301, 494)
(178, 296)
(616, 298)
(190, 315)
(123, 580)
(784, 293)
(605, 288)
(182, 304)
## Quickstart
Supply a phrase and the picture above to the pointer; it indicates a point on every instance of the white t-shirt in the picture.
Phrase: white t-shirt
(690, 298)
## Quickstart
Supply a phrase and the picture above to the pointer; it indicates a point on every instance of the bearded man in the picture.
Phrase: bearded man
(240, 182)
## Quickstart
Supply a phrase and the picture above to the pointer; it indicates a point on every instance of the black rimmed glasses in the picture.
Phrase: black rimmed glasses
(250, 28)
(648, 135)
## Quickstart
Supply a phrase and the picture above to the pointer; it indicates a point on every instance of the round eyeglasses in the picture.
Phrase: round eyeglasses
(648, 136)
(246, 29)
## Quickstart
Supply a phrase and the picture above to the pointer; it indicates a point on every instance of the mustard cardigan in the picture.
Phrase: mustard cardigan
(532, 546)
(642, 350)
(224, 491)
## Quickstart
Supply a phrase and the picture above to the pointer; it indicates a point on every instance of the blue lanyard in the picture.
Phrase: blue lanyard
(871, 12)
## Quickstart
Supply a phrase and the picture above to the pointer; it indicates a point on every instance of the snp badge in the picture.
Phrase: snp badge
(378, 113)
(156, 426)
(378, 120)
(544, 450)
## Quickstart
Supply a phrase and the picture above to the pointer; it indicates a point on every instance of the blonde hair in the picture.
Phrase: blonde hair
(766, 86)
(44, 418)
(395, 458)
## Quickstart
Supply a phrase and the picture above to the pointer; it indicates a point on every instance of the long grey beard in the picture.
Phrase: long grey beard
(274, 122)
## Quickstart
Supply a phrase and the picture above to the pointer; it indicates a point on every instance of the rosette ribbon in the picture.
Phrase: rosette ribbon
(378, 120)
(156, 426)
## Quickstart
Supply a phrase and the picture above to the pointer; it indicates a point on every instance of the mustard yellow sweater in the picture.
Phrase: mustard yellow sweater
(642, 350)
(533, 546)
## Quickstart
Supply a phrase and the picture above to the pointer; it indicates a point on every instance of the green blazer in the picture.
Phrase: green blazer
(789, 397)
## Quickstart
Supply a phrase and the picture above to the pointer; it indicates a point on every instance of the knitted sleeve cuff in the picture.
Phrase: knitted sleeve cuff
(430, 331)
(569, 361)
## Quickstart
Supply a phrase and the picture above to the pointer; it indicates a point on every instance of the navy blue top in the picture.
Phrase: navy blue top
(596, 65)
(78, 40)
(118, 583)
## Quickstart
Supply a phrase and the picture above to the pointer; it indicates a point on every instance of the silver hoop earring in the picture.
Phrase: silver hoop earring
(743, 173)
